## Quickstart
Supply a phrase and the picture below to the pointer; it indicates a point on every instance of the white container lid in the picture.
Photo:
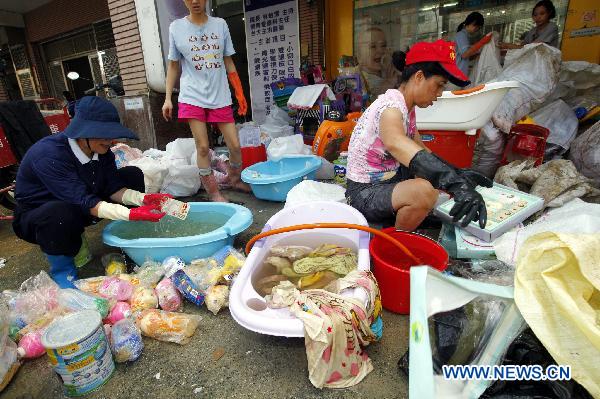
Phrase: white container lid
(71, 328)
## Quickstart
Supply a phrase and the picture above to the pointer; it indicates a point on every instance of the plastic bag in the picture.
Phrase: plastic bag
(76, 300)
(310, 191)
(488, 65)
(115, 288)
(8, 363)
(37, 296)
(124, 154)
(456, 321)
(585, 153)
(114, 264)
(291, 145)
(126, 341)
(143, 298)
(217, 297)
(169, 298)
(154, 170)
(534, 87)
(277, 124)
(188, 288)
(181, 181)
(30, 345)
(249, 135)
(560, 119)
(149, 274)
(90, 285)
(119, 311)
(181, 150)
(168, 326)
(171, 264)
(488, 150)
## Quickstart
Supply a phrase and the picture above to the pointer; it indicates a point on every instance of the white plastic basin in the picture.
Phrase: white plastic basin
(463, 112)
(249, 309)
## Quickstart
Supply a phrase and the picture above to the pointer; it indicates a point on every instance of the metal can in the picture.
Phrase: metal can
(78, 350)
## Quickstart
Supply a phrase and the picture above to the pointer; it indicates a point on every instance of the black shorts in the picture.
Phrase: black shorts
(374, 200)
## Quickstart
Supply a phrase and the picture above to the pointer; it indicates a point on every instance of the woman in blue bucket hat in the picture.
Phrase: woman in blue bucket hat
(69, 180)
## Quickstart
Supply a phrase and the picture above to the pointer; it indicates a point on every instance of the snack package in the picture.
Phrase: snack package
(114, 264)
(126, 341)
(217, 297)
(169, 298)
(187, 287)
(37, 296)
(172, 264)
(8, 363)
(168, 326)
(75, 300)
(90, 285)
(291, 252)
(150, 274)
(143, 298)
(116, 288)
(30, 345)
(118, 312)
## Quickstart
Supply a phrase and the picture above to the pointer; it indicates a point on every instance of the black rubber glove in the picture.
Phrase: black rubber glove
(468, 203)
(473, 177)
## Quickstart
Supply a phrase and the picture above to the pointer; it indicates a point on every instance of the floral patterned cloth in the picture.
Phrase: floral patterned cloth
(336, 328)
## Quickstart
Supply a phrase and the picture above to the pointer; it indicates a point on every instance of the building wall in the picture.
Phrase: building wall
(61, 16)
(338, 34)
(311, 19)
(582, 14)
(129, 46)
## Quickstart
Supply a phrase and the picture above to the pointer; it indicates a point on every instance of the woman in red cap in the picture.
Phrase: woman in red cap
(390, 172)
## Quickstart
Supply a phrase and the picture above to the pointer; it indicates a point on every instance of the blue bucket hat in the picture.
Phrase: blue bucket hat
(97, 118)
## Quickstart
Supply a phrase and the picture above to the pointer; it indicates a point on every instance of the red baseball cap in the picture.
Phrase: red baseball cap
(439, 51)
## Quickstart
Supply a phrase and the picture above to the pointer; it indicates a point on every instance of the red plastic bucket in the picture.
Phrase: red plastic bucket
(252, 155)
(391, 268)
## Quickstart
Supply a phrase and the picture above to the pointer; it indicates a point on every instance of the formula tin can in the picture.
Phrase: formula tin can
(78, 350)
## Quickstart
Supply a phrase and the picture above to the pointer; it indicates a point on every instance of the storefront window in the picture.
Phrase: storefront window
(383, 27)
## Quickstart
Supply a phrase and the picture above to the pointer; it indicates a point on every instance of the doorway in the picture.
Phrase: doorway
(81, 65)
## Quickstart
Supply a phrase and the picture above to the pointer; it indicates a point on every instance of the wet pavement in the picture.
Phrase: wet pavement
(252, 365)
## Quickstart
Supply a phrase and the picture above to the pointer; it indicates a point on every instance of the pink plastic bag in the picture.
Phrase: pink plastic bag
(169, 298)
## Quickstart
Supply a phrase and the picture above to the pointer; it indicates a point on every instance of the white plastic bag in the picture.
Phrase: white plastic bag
(181, 149)
(560, 119)
(154, 170)
(278, 117)
(535, 67)
(249, 135)
(277, 124)
(181, 181)
(488, 65)
(124, 154)
(290, 145)
(582, 217)
(310, 191)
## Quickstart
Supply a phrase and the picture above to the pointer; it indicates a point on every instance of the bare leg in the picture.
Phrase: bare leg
(235, 156)
(413, 200)
(203, 161)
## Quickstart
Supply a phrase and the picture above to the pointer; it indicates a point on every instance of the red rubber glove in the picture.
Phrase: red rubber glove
(484, 40)
(236, 83)
(156, 199)
(147, 213)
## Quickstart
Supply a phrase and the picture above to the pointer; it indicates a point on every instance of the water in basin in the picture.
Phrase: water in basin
(170, 227)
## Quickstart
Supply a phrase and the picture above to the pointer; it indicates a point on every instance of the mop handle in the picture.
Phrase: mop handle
(371, 230)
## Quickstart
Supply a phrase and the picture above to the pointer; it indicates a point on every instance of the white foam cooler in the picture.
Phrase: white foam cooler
(249, 309)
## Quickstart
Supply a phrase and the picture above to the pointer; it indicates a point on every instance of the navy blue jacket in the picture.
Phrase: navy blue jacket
(50, 171)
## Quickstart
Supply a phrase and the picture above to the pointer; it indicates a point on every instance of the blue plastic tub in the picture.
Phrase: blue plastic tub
(272, 180)
(225, 220)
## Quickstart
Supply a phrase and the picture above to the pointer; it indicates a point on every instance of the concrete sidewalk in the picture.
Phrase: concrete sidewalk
(253, 365)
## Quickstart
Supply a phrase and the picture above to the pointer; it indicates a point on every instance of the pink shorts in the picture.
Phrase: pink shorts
(187, 111)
